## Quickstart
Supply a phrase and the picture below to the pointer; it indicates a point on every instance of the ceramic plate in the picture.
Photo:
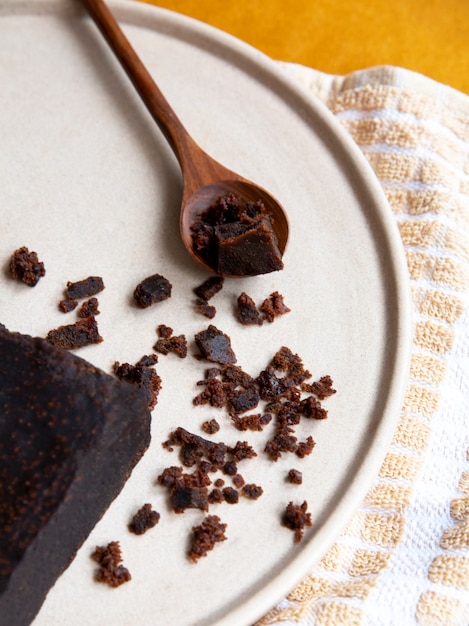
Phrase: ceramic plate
(89, 183)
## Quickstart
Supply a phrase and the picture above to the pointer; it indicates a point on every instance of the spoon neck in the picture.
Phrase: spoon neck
(160, 109)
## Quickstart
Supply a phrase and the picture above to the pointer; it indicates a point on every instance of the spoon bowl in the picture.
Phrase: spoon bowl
(204, 179)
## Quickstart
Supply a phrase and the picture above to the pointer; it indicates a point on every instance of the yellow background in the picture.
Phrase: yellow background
(339, 36)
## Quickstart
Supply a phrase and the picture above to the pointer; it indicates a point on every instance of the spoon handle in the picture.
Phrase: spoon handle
(178, 138)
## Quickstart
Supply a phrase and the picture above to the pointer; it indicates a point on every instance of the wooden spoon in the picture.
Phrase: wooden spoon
(204, 179)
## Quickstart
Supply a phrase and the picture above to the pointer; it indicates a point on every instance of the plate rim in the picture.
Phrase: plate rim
(139, 13)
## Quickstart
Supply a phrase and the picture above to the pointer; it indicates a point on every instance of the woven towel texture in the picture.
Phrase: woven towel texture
(404, 557)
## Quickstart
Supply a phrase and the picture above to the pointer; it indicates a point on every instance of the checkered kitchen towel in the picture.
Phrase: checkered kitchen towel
(404, 558)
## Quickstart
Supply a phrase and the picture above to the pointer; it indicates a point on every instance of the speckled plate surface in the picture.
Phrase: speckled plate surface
(89, 183)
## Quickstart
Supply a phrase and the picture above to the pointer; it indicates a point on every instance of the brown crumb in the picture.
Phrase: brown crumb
(215, 346)
(251, 491)
(207, 310)
(67, 305)
(89, 308)
(144, 519)
(205, 536)
(82, 333)
(168, 343)
(209, 288)
(295, 477)
(246, 310)
(111, 571)
(296, 518)
(151, 290)
(273, 306)
(143, 376)
(230, 495)
(252, 422)
(26, 267)
(84, 288)
(211, 427)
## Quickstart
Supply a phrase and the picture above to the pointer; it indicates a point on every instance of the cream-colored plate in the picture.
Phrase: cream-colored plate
(89, 183)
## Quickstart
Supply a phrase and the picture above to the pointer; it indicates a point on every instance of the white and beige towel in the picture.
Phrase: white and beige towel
(404, 558)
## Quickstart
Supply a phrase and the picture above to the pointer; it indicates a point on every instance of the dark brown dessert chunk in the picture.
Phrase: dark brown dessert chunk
(111, 571)
(143, 376)
(26, 267)
(70, 436)
(296, 518)
(82, 333)
(209, 288)
(144, 519)
(210, 532)
(236, 238)
(215, 346)
(84, 288)
(152, 289)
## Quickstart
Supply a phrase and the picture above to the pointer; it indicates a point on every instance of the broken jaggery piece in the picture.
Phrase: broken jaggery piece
(247, 311)
(89, 308)
(151, 290)
(295, 477)
(144, 519)
(67, 304)
(210, 532)
(273, 307)
(84, 288)
(236, 237)
(168, 343)
(205, 309)
(296, 518)
(82, 333)
(215, 346)
(211, 427)
(26, 267)
(111, 571)
(252, 491)
(143, 376)
(209, 288)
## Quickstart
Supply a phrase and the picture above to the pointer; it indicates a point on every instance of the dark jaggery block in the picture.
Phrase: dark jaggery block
(153, 289)
(296, 518)
(26, 267)
(144, 519)
(247, 249)
(111, 571)
(70, 436)
(209, 288)
(215, 346)
(84, 288)
(82, 333)
(210, 532)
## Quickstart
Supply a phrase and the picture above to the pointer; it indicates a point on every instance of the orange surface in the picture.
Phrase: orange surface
(339, 36)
